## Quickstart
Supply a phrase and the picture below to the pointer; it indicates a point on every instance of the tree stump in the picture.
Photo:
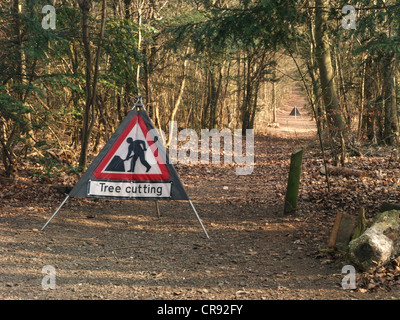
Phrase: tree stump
(293, 182)
(378, 244)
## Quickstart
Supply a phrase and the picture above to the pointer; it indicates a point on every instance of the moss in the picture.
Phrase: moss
(384, 216)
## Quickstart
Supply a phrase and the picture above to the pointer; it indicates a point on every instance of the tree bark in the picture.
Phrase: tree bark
(88, 119)
(293, 182)
(389, 99)
(327, 80)
(178, 100)
(215, 91)
(247, 95)
(369, 118)
(27, 128)
(85, 7)
(139, 6)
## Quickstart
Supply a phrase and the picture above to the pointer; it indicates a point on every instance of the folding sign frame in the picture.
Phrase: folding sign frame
(134, 165)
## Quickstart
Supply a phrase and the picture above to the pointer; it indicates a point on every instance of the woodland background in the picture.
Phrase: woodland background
(205, 64)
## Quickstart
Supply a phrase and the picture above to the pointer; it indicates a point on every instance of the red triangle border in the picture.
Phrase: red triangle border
(97, 173)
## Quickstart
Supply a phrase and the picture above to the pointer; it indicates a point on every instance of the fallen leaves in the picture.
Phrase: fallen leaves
(386, 278)
(248, 206)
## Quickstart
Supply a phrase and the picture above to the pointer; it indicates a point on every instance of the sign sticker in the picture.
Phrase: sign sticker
(129, 189)
(134, 156)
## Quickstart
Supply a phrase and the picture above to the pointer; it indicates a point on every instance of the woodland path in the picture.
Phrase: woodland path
(107, 249)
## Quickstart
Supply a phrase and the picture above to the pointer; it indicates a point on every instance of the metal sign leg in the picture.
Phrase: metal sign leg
(198, 218)
(158, 209)
(65, 200)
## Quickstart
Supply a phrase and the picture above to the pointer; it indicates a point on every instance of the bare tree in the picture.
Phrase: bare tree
(327, 80)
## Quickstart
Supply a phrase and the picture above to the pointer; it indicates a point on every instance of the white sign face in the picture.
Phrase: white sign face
(134, 156)
(137, 155)
(129, 189)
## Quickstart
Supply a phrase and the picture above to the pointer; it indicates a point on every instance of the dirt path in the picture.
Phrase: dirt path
(106, 249)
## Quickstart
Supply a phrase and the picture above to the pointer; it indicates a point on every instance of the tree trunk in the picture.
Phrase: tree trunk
(248, 92)
(127, 90)
(140, 17)
(254, 107)
(178, 101)
(273, 98)
(215, 95)
(206, 103)
(362, 99)
(239, 100)
(369, 116)
(389, 99)
(342, 87)
(312, 71)
(85, 7)
(88, 119)
(27, 128)
(327, 80)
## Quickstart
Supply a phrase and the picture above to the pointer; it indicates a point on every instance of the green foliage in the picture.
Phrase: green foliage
(262, 23)
(230, 46)
(11, 108)
(75, 169)
(121, 45)
(374, 20)
(48, 167)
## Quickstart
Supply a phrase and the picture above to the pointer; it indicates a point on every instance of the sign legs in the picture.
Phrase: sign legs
(158, 209)
(198, 218)
(65, 200)
(158, 214)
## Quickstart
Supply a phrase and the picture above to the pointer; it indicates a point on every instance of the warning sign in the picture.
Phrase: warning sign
(134, 156)
(132, 165)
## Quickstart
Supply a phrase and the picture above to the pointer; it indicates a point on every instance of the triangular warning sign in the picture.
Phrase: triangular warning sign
(295, 112)
(134, 156)
(132, 165)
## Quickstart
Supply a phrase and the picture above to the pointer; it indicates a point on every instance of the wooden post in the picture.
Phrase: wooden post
(335, 230)
(293, 181)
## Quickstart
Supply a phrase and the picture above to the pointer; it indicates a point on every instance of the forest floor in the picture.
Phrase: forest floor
(110, 249)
